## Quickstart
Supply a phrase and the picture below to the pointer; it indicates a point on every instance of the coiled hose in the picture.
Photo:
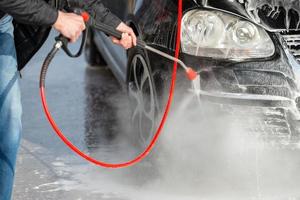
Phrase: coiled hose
(59, 44)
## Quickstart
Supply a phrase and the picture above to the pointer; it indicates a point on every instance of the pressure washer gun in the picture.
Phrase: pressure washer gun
(90, 22)
(62, 42)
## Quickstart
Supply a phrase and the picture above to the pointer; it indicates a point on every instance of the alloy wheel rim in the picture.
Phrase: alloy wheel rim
(141, 92)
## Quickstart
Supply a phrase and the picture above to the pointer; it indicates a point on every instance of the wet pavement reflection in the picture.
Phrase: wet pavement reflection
(194, 160)
(91, 108)
(83, 101)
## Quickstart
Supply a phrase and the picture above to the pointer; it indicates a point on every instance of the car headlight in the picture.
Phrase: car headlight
(219, 35)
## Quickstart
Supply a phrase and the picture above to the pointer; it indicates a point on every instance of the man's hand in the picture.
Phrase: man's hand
(128, 37)
(69, 25)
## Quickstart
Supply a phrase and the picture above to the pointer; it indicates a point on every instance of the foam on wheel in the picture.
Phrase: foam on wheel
(142, 94)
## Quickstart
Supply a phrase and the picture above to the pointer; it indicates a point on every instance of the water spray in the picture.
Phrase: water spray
(62, 42)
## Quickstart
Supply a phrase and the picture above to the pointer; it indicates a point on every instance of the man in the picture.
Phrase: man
(39, 13)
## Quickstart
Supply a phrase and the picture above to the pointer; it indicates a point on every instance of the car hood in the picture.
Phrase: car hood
(273, 15)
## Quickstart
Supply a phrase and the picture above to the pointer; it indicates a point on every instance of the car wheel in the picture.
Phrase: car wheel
(143, 98)
(92, 55)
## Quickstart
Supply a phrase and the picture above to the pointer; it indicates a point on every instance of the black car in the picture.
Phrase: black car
(246, 51)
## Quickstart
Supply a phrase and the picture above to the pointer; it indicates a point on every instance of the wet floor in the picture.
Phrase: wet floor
(82, 100)
(91, 108)
(195, 159)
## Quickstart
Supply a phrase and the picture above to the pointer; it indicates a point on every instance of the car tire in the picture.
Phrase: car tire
(92, 55)
(143, 97)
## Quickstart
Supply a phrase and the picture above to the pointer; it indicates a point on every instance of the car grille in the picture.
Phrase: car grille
(269, 126)
(278, 17)
(292, 40)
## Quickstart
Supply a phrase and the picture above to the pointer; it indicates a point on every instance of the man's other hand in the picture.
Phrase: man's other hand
(128, 37)
(69, 25)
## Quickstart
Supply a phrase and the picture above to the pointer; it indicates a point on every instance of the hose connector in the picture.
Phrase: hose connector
(58, 44)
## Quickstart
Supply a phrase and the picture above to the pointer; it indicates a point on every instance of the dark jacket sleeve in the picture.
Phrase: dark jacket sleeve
(98, 11)
(30, 11)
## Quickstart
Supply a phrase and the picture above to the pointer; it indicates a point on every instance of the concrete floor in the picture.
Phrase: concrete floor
(46, 169)
(91, 109)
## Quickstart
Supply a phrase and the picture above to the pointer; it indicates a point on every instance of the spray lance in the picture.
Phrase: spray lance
(62, 43)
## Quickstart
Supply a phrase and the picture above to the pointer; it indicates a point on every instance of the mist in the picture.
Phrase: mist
(206, 151)
(228, 152)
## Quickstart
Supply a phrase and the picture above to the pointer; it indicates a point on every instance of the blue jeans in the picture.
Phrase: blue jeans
(10, 108)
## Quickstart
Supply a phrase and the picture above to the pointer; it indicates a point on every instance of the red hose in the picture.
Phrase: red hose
(157, 134)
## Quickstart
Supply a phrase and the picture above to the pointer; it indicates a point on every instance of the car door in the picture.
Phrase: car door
(114, 55)
(118, 7)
